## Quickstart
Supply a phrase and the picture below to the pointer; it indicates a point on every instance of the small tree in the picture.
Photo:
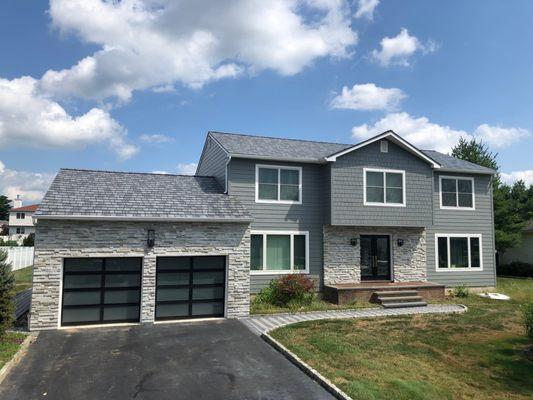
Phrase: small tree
(29, 241)
(5, 206)
(7, 284)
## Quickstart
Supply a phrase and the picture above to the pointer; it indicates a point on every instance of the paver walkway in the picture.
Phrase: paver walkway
(264, 324)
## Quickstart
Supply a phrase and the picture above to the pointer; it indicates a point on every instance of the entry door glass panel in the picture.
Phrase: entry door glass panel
(190, 287)
(375, 257)
(101, 290)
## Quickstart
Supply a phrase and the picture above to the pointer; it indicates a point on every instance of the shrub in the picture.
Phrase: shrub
(9, 243)
(29, 240)
(516, 268)
(7, 284)
(527, 311)
(291, 290)
(461, 291)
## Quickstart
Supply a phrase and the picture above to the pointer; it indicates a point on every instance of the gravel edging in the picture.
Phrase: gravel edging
(306, 368)
(8, 366)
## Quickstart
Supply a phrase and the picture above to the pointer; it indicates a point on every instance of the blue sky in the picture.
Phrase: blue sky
(136, 85)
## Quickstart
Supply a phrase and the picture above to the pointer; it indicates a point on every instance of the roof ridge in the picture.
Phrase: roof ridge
(280, 138)
(133, 172)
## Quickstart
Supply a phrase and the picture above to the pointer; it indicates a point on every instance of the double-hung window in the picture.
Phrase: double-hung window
(275, 184)
(458, 252)
(279, 252)
(20, 231)
(457, 193)
(21, 215)
(384, 187)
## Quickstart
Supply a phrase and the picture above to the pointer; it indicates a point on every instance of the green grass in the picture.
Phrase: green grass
(316, 305)
(23, 279)
(9, 345)
(476, 355)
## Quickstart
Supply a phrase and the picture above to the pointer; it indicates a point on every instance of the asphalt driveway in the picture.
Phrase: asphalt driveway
(201, 360)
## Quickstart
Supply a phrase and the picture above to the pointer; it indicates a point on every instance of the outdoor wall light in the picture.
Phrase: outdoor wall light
(400, 242)
(151, 238)
(353, 241)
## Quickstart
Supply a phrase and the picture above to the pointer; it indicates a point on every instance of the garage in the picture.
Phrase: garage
(101, 290)
(190, 287)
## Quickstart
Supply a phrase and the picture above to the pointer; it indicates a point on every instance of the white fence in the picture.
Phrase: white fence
(19, 257)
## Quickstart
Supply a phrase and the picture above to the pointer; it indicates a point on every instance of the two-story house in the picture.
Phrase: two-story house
(133, 247)
(21, 219)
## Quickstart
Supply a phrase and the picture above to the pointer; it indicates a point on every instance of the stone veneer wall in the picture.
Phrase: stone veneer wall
(342, 260)
(56, 240)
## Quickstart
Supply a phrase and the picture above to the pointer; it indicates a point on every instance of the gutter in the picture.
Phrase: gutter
(466, 171)
(136, 219)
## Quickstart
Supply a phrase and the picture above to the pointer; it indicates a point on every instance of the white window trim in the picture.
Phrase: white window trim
(282, 272)
(384, 204)
(466, 178)
(279, 168)
(461, 235)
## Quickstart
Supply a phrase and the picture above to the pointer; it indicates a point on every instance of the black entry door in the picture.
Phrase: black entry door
(375, 257)
(190, 287)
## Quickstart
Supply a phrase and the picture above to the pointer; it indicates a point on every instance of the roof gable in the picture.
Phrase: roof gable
(393, 137)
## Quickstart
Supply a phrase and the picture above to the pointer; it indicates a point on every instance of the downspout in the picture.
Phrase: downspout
(226, 189)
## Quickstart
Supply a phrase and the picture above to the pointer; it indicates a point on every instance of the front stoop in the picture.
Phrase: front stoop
(398, 298)
(350, 293)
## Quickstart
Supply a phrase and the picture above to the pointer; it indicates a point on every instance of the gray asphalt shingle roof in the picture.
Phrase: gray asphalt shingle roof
(278, 148)
(237, 144)
(87, 193)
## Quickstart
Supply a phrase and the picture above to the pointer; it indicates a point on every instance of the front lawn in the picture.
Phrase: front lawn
(476, 355)
(23, 279)
(10, 345)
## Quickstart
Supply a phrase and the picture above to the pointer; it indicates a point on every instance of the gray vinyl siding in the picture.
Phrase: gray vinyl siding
(213, 162)
(308, 216)
(479, 221)
(347, 203)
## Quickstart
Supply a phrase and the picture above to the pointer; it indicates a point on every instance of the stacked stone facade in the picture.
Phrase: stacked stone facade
(56, 240)
(342, 261)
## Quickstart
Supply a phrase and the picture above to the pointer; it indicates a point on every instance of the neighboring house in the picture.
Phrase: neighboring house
(21, 219)
(130, 247)
(522, 253)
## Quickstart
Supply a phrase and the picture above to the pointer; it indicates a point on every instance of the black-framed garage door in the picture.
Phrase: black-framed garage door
(190, 287)
(101, 290)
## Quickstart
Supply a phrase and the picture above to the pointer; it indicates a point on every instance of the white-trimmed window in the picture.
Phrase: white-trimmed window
(457, 192)
(20, 231)
(21, 215)
(458, 252)
(279, 252)
(278, 184)
(384, 187)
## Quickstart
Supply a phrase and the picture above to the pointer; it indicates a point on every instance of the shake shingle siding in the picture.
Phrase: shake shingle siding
(347, 202)
(213, 162)
(308, 216)
(478, 221)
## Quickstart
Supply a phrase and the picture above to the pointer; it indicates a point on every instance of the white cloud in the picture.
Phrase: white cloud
(526, 176)
(397, 50)
(368, 97)
(365, 8)
(187, 169)
(28, 117)
(160, 172)
(31, 186)
(427, 135)
(156, 43)
(156, 138)
(497, 136)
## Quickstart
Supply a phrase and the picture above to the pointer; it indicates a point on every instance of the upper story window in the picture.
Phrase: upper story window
(21, 215)
(277, 184)
(457, 193)
(384, 187)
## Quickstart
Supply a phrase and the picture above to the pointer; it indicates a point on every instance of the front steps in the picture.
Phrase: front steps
(398, 298)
